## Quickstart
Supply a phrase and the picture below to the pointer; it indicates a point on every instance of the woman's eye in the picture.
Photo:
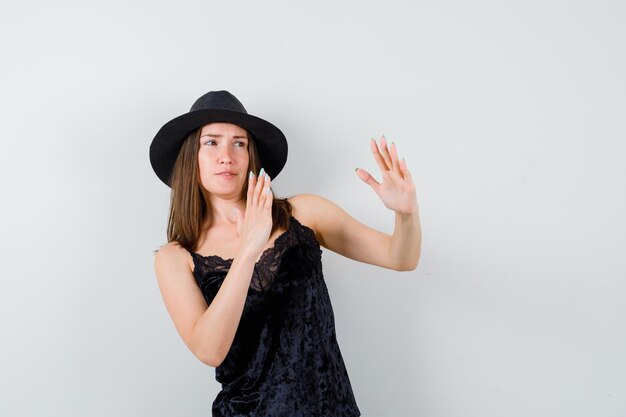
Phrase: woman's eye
(239, 143)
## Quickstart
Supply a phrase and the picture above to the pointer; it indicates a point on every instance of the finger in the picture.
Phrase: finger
(269, 199)
(367, 178)
(257, 190)
(263, 193)
(384, 151)
(236, 214)
(377, 156)
(251, 185)
(406, 172)
(240, 220)
(393, 152)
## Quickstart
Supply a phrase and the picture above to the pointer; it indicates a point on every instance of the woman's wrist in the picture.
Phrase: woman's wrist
(246, 256)
(409, 214)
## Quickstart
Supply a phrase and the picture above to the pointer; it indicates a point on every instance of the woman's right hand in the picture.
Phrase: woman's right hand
(255, 225)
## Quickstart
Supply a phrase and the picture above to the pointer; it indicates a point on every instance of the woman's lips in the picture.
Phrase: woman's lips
(225, 175)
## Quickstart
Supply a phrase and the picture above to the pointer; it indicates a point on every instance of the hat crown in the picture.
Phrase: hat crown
(218, 100)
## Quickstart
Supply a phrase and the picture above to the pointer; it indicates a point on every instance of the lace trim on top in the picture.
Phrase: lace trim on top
(215, 267)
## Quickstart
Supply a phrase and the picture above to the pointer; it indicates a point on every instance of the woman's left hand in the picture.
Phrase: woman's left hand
(397, 191)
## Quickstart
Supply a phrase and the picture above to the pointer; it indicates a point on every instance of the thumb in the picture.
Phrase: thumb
(367, 178)
(238, 218)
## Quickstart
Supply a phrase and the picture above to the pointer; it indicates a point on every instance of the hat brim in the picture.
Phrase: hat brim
(270, 141)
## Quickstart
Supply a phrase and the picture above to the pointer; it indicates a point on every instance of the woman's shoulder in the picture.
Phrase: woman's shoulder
(173, 253)
(304, 209)
(307, 204)
(171, 248)
(302, 204)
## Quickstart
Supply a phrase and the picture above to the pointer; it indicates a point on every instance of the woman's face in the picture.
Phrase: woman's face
(223, 158)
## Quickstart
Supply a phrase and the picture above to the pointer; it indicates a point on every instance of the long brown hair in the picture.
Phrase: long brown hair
(188, 199)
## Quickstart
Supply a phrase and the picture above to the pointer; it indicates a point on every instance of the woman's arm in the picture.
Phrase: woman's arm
(341, 233)
(209, 331)
(336, 230)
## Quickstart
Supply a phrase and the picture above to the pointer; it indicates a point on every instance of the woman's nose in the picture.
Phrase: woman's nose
(225, 154)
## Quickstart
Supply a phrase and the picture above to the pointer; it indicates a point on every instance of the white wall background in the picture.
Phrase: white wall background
(510, 114)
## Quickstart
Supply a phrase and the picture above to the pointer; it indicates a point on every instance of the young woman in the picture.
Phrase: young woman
(241, 274)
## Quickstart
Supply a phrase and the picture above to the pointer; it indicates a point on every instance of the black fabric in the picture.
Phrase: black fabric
(284, 360)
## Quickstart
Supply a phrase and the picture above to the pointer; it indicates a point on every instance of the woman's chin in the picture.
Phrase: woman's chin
(225, 189)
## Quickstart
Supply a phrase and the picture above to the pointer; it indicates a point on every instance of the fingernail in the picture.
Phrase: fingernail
(267, 191)
(262, 171)
(251, 174)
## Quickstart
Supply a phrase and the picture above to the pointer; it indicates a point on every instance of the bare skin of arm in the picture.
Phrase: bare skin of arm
(209, 331)
(338, 231)
(341, 233)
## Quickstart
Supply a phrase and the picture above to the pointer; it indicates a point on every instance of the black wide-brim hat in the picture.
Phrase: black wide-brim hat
(217, 106)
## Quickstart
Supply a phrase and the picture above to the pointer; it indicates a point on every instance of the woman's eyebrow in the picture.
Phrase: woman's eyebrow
(212, 135)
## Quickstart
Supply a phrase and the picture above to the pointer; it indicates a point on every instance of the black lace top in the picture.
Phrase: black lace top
(284, 360)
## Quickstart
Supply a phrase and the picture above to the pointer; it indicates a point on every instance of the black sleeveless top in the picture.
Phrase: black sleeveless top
(284, 360)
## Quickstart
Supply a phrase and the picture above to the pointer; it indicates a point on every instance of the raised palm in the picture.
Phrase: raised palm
(397, 190)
